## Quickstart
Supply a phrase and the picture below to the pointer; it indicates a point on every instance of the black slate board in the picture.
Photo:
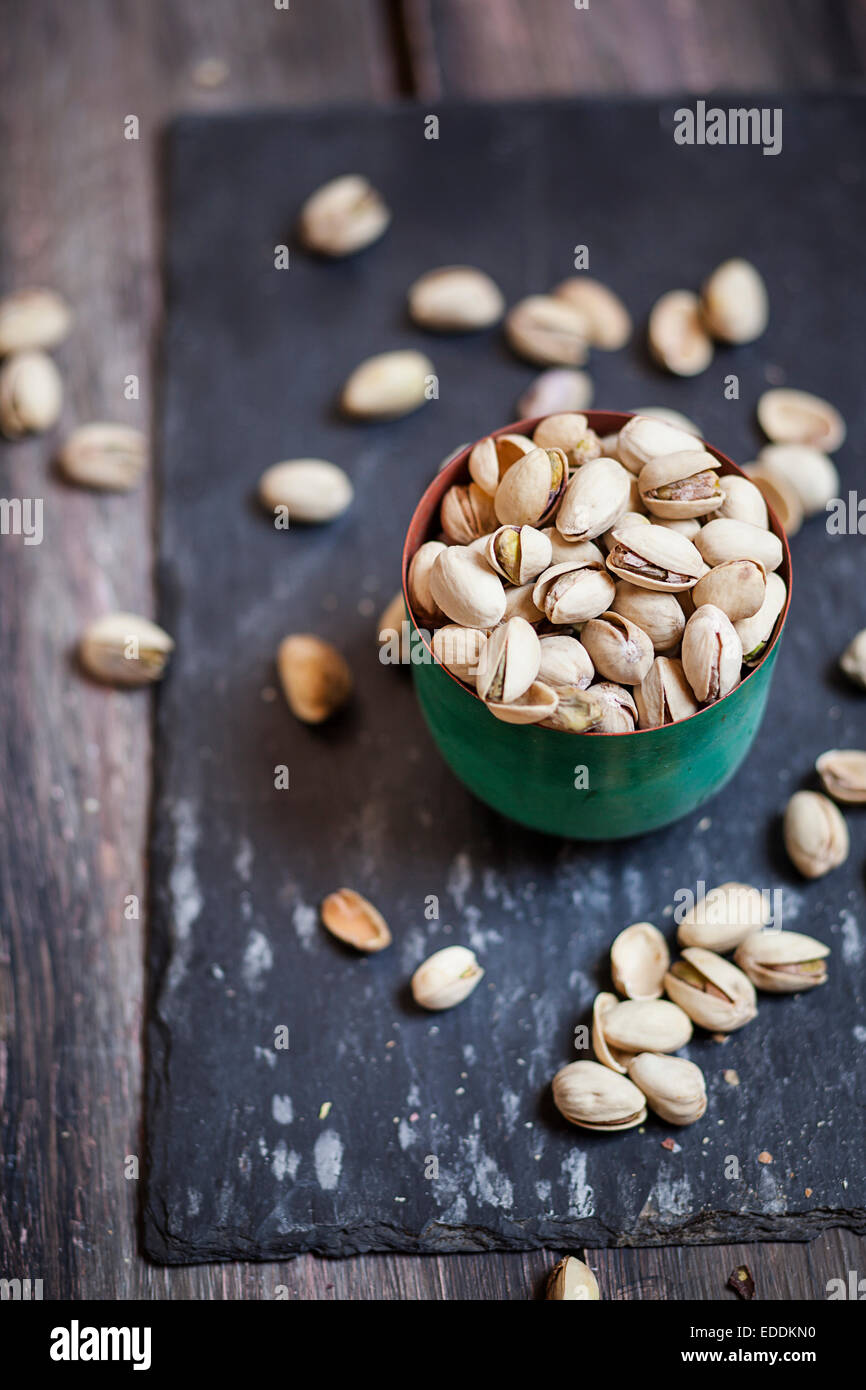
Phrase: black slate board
(243, 1161)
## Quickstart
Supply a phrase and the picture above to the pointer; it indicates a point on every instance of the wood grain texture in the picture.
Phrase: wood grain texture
(80, 212)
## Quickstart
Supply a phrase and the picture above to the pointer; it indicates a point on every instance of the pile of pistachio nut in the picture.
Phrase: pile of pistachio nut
(595, 584)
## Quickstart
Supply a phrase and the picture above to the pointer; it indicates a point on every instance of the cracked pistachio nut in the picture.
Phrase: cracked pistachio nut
(779, 494)
(623, 523)
(459, 650)
(608, 320)
(724, 917)
(455, 299)
(647, 1025)
(674, 1087)
(654, 557)
(343, 216)
(722, 539)
(734, 303)
(754, 633)
(737, 587)
(843, 774)
(658, 615)
(620, 650)
(574, 592)
(576, 712)
(647, 437)
(596, 497)
(811, 473)
(796, 417)
(714, 993)
(682, 485)
(556, 390)
(424, 606)
(491, 458)
(125, 649)
(853, 660)
(639, 959)
(464, 586)
(619, 709)
(677, 338)
(570, 432)
(573, 1280)
(446, 978)
(609, 1056)
(564, 662)
(310, 490)
(548, 331)
(594, 1097)
(31, 394)
(664, 696)
(531, 488)
(816, 836)
(102, 455)
(712, 654)
(518, 553)
(33, 320)
(315, 677)
(387, 386)
(743, 501)
(537, 705)
(467, 513)
(509, 662)
(783, 962)
(355, 921)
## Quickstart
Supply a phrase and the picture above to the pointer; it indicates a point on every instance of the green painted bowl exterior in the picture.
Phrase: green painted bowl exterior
(586, 786)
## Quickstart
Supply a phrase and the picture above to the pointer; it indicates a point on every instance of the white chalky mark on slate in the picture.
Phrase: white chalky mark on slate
(510, 1110)
(460, 879)
(542, 1192)
(293, 1163)
(186, 897)
(406, 1135)
(483, 1178)
(258, 960)
(304, 923)
(770, 1194)
(193, 1201)
(469, 1054)
(581, 1198)
(670, 1197)
(328, 1159)
(852, 943)
(265, 1054)
(860, 1033)
(244, 860)
(281, 1109)
(280, 1162)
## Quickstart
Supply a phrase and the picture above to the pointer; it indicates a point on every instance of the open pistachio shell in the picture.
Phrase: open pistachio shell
(723, 539)
(712, 654)
(464, 586)
(783, 962)
(665, 696)
(653, 557)
(571, 1279)
(574, 593)
(518, 553)
(639, 958)
(576, 710)
(843, 774)
(467, 513)
(354, 920)
(734, 304)
(509, 662)
(564, 662)
(712, 991)
(676, 334)
(816, 836)
(620, 710)
(315, 677)
(623, 523)
(646, 437)
(608, 320)
(754, 633)
(737, 588)
(779, 494)
(674, 1087)
(724, 917)
(531, 488)
(812, 475)
(796, 417)
(659, 615)
(491, 458)
(557, 389)
(607, 1055)
(594, 1097)
(446, 978)
(647, 1025)
(548, 331)
(537, 704)
(682, 485)
(570, 432)
(595, 498)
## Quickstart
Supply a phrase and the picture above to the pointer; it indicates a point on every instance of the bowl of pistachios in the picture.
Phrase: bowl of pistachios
(595, 605)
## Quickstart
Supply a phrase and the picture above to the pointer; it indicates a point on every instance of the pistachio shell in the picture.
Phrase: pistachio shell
(424, 606)
(843, 774)
(670, 417)
(681, 485)
(509, 662)
(712, 991)
(312, 490)
(816, 836)
(567, 430)
(104, 455)
(548, 331)
(577, 711)
(677, 338)
(796, 417)
(723, 918)
(554, 390)
(595, 498)
(315, 678)
(564, 661)
(459, 650)
(619, 649)
(646, 437)
(624, 523)
(743, 501)
(531, 488)
(674, 1087)
(387, 386)
(465, 588)
(31, 394)
(737, 588)
(783, 962)
(519, 603)
(446, 978)
(562, 550)
(125, 649)
(608, 1056)
(665, 695)
(659, 615)
(754, 633)
(647, 1025)
(352, 919)
(467, 513)
(712, 654)
(619, 709)
(594, 1097)
(853, 659)
(33, 320)
(722, 539)
(639, 958)
(654, 557)
(538, 703)
(734, 303)
(455, 299)
(684, 526)
(573, 1280)
(343, 216)
(779, 495)
(813, 476)
(518, 553)
(574, 592)
(490, 458)
(608, 320)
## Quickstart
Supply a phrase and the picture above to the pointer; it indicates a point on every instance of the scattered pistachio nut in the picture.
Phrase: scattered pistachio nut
(315, 677)
(677, 338)
(735, 307)
(639, 959)
(843, 774)
(779, 495)
(556, 390)
(811, 473)
(355, 921)
(674, 1087)
(647, 1025)
(33, 320)
(455, 299)
(712, 654)
(31, 394)
(125, 649)
(796, 417)
(714, 993)
(446, 978)
(608, 1056)
(548, 331)
(343, 216)
(310, 490)
(594, 1097)
(608, 320)
(387, 386)
(573, 1280)
(816, 836)
(783, 962)
(102, 455)
(723, 918)
(853, 660)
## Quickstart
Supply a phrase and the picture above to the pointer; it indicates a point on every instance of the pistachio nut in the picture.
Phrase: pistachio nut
(125, 649)
(388, 385)
(812, 474)
(722, 539)
(677, 338)
(104, 455)
(853, 659)
(548, 331)
(594, 1097)
(779, 494)
(743, 501)
(816, 836)
(563, 550)
(459, 650)
(737, 587)
(467, 513)
(624, 522)
(31, 394)
(355, 921)
(796, 417)
(734, 303)
(674, 1087)
(315, 677)
(619, 649)
(754, 633)
(594, 500)
(572, 1279)
(619, 709)
(653, 557)
(671, 417)
(491, 458)
(843, 774)
(519, 603)
(783, 962)
(446, 978)
(564, 662)
(577, 711)
(646, 437)
(684, 526)
(509, 662)
(310, 490)
(712, 991)
(570, 432)
(658, 615)
(712, 654)
(554, 390)
(33, 320)
(664, 696)
(723, 918)
(518, 553)
(464, 586)
(424, 606)
(343, 216)
(531, 488)
(684, 484)
(537, 705)
(639, 959)
(607, 319)
(608, 1056)
(574, 592)
(455, 299)
(647, 1025)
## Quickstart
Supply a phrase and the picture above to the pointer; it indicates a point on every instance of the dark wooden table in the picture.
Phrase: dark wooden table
(81, 212)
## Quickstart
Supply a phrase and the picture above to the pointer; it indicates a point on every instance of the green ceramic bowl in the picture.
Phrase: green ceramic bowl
(585, 786)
